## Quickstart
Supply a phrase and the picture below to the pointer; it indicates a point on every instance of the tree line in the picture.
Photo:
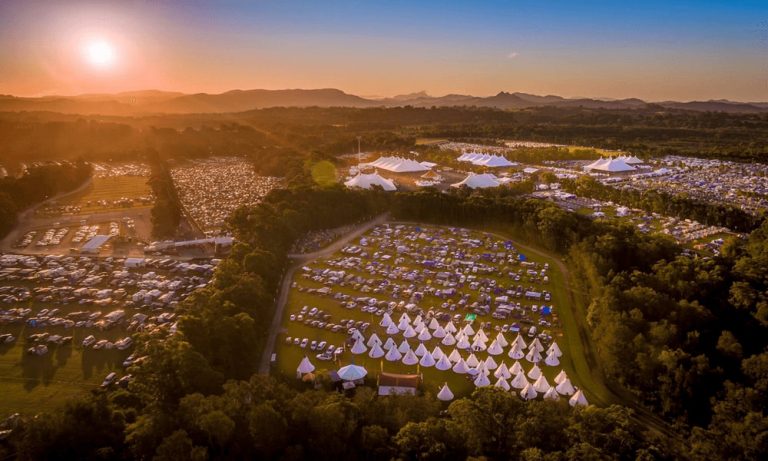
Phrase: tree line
(686, 335)
(36, 184)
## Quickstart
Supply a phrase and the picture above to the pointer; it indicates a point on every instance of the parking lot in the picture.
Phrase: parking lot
(67, 322)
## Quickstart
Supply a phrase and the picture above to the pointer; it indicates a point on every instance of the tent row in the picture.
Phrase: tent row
(398, 165)
(487, 160)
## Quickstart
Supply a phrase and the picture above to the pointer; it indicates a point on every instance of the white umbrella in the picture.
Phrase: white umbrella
(445, 393)
(421, 350)
(305, 366)
(578, 399)
(427, 360)
(352, 372)
(376, 352)
(443, 363)
(393, 355)
(410, 358)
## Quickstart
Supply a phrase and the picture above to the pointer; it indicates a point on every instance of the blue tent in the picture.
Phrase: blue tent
(522, 257)
(546, 310)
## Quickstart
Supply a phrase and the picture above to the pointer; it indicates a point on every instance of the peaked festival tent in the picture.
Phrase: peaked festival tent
(352, 372)
(305, 366)
(478, 181)
(370, 180)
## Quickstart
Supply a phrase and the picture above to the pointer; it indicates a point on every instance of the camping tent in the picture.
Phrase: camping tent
(305, 366)
(445, 393)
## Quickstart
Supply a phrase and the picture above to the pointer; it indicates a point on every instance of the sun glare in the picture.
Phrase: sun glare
(100, 54)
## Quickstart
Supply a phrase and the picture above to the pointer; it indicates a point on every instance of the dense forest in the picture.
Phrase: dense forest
(655, 201)
(686, 335)
(278, 136)
(37, 184)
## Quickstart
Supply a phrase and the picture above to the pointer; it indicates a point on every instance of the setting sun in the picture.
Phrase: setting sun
(100, 54)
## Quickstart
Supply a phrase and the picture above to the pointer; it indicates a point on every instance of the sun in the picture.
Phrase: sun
(100, 54)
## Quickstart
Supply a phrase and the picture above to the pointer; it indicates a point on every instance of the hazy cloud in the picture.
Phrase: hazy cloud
(513, 55)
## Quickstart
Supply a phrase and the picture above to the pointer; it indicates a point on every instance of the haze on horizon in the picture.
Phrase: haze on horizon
(654, 50)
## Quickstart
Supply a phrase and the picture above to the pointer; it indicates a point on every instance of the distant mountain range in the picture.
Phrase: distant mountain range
(154, 102)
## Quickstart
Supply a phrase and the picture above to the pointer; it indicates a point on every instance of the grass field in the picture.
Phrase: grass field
(110, 189)
(30, 384)
(290, 355)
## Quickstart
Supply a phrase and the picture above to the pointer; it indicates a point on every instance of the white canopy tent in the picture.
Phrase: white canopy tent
(478, 181)
(370, 180)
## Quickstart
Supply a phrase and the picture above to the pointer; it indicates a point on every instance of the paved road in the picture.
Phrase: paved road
(298, 261)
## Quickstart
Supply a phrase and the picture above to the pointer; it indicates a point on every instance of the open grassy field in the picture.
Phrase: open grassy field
(429, 141)
(30, 384)
(290, 355)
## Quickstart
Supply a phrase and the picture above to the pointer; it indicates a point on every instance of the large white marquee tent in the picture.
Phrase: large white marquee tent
(398, 165)
(610, 165)
(478, 181)
(367, 181)
(491, 161)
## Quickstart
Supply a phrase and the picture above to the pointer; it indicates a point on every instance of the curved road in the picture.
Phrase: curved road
(589, 374)
(298, 261)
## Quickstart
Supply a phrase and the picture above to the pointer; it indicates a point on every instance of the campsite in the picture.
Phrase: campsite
(460, 308)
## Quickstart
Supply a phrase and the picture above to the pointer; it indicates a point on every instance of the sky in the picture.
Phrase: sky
(653, 50)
